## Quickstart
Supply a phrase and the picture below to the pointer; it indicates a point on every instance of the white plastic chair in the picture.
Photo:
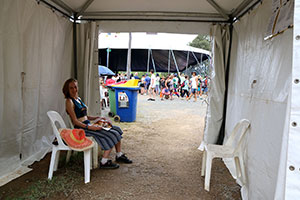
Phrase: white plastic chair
(231, 149)
(102, 96)
(56, 118)
(95, 149)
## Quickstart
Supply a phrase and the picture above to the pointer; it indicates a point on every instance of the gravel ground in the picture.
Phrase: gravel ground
(163, 145)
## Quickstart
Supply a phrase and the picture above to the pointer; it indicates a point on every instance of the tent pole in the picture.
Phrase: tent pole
(129, 57)
(187, 61)
(196, 59)
(148, 61)
(222, 129)
(107, 57)
(169, 62)
(75, 47)
(201, 62)
(58, 10)
(153, 63)
(175, 62)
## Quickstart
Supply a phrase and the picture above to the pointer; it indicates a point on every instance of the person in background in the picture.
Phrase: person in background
(142, 85)
(152, 86)
(103, 94)
(194, 86)
(185, 86)
(119, 78)
(136, 76)
(182, 79)
(110, 80)
(199, 91)
(162, 86)
(157, 83)
(124, 77)
(169, 86)
(147, 82)
(204, 85)
(175, 82)
(115, 78)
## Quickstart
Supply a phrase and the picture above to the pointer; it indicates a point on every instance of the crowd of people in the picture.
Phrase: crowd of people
(164, 88)
(173, 85)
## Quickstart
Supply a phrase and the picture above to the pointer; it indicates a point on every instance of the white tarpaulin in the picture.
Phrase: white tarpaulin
(288, 186)
(88, 78)
(214, 116)
(35, 60)
(259, 85)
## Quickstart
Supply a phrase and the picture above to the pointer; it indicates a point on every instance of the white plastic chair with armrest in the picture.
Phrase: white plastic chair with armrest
(55, 117)
(231, 149)
(94, 150)
(102, 96)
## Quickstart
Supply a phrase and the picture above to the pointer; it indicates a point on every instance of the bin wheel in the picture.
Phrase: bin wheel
(117, 118)
(110, 114)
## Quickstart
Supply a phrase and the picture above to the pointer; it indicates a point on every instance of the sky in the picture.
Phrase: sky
(145, 41)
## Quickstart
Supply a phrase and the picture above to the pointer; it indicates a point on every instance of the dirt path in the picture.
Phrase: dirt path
(163, 144)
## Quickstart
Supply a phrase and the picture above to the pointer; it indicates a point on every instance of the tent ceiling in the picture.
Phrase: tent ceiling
(154, 10)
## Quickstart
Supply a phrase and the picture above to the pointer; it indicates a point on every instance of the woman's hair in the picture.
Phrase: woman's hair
(65, 89)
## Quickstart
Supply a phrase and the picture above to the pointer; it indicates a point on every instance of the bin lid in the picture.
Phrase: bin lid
(126, 88)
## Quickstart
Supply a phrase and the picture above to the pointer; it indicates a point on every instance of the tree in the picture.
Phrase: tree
(202, 42)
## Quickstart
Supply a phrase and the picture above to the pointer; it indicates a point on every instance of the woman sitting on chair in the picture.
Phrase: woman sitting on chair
(105, 134)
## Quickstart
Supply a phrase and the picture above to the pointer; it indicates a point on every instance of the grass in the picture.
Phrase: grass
(63, 182)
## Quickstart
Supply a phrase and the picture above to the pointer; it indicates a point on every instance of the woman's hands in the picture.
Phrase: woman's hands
(94, 128)
(103, 119)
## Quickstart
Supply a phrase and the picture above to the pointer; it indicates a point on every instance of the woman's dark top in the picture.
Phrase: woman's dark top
(107, 139)
(80, 108)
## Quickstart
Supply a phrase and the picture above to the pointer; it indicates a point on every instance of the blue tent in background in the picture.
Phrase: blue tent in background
(104, 71)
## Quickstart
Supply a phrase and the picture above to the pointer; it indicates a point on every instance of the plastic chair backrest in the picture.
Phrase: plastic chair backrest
(235, 139)
(70, 122)
(55, 117)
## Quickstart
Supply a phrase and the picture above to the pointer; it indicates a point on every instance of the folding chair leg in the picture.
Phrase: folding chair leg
(237, 167)
(87, 162)
(69, 153)
(203, 163)
(95, 156)
(242, 167)
(56, 160)
(207, 171)
(52, 163)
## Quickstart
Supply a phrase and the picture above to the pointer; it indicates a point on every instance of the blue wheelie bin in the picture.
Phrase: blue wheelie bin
(126, 102)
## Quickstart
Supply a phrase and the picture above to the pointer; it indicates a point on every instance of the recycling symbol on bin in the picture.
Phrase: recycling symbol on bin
(123, 100)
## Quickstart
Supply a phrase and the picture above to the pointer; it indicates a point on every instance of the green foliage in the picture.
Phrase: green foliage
(202, 42)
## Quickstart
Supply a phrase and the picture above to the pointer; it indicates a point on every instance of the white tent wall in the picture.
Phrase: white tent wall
(259, 85)
(36, 47)
(214, 118)
(88, 77)
(289, 187)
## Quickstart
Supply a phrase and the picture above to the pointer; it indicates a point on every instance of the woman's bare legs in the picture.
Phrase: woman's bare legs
(118, 147)
(106, 153)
